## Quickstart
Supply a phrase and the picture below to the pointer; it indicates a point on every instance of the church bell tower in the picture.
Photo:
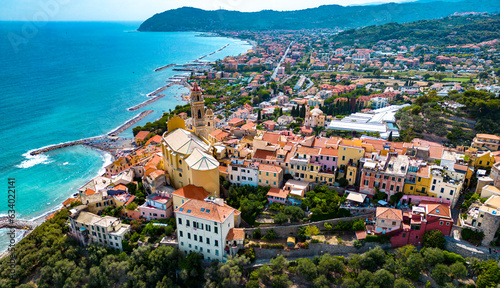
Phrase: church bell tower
(198, 111)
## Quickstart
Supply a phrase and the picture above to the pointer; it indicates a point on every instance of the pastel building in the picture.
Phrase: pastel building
(296, 191)
(203, 227)
(188, 160)
(270, 175)
(277, 195)
(157, 206)
(387, 176)
(243, 172)
(484, 217)
(89, 228)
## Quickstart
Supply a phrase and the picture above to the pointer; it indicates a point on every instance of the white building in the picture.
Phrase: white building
(444, 186)
(380, 120)
(203, 227)
(243, 172)
(89, 228)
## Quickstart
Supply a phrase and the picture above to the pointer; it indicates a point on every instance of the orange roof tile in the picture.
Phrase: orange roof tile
(329, 152)
(235, 234)
(89, 191)
(141, 135)
(389, 213)
(264, 154)
(270, 168)
(192, 192)
(276, 192)
(308, 151)
(271, 137)
(435, 152)
(68, 201)
(205, 210)
(155, 139)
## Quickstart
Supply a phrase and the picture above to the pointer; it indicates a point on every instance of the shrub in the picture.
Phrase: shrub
(472, 236)
(358, 225)
(270, 235)
(315, 241)
(256, 234)
(451, 258)
(434, 239)
(373, 238)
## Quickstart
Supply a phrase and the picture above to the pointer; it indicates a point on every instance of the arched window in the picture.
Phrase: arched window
(199, 114)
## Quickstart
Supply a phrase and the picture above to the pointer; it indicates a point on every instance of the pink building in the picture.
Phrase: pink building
(387, 176)
(425, 217)
(277, 195)
(157, 207)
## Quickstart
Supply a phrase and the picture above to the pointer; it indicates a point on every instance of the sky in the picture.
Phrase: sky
(140, 10)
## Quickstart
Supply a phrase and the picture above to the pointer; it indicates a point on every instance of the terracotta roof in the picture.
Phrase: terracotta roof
(308, 151)
(459, 167)
(68, 201)
(437, 209)
(248, 126)
(120, 187)
(424, 171)
(270, 168)
(141, 135)
(436, 152)
(89, 191)
(276, 192)
(223, 169)
(192, 192)
(156, 139)
(329, 152)
(389, 213)
(235, 234)
(205, 210)
(488, 136)
(264, 154)
(271, 137)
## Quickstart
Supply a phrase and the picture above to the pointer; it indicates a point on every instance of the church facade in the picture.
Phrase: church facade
(188, 156)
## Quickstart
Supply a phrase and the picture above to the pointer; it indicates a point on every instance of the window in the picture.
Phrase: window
(433, 187)
(180, 234)
(216, 230)
(366, 183)
(216, 243)
(208, 242)
(180, 221)
(201, 239)
(441, 223)
(442, 190)
(433, 181)
(217, 252)
(451, 192)
(343, 157)
(195, 237)
(189, 235)
(207, 227)
(447, 223)
(404, 235)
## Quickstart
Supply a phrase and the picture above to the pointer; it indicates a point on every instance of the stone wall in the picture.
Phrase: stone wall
(466, 249)
(291, 230)
(315, 249)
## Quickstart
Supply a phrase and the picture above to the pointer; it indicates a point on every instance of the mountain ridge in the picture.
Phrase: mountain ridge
(324, 16)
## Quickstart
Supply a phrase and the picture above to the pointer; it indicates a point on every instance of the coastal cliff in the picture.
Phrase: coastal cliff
(327, 16)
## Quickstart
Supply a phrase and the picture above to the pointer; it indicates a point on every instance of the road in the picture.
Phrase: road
(281, 61)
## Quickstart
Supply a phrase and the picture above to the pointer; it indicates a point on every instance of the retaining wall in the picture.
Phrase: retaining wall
(315, 249)
(291, 230)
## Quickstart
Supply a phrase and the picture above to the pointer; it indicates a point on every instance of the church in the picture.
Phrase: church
(188, 155)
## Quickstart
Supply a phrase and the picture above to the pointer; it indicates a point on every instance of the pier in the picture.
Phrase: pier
(6, 222)
(91, 140)
(130, 122)
(218, 50)
(147, 102)
(164, 67)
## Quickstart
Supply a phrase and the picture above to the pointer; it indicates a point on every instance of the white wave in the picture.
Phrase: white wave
(107, 159)
(65, 163)
(32, 160)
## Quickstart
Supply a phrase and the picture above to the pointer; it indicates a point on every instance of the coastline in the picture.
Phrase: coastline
(108, 153)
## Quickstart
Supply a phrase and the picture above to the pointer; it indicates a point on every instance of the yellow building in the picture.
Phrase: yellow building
(418, 180)
(270, 175)
(349, 154)
(484, 160)
(188, 160)
(351, 174)
(486, 141)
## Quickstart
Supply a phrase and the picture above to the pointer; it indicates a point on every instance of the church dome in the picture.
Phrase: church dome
(316, 111)
(209, 112)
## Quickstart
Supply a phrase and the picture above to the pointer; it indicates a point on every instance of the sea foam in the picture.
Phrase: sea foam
(32, 160)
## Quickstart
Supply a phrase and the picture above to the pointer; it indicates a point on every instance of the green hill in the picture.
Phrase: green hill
(446, 31)
(328, 16)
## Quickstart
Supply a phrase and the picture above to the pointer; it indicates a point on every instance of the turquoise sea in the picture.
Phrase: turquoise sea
(70, 80)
